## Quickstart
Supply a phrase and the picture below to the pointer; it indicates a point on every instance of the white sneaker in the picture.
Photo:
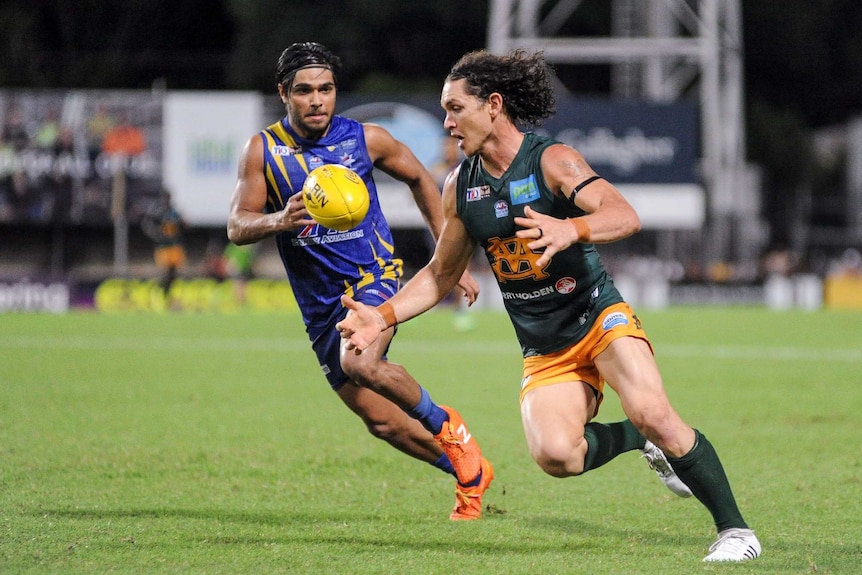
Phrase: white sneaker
(658, 463)
(734, 545)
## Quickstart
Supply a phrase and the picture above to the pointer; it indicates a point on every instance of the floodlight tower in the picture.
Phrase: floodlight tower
(660, 51)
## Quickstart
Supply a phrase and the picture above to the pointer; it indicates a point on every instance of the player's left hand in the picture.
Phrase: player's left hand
(550, 233)
(361, 327)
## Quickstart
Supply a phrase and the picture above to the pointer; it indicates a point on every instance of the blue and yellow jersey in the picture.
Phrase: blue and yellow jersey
(322, 264)
(551, 307)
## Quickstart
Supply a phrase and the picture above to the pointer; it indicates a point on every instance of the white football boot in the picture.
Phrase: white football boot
(659, 463)
(734, 545)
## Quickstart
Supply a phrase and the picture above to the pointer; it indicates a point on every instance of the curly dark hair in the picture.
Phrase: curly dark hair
(303, 55)
(523, 79)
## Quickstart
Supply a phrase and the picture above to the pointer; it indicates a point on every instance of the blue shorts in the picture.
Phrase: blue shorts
(326, 341)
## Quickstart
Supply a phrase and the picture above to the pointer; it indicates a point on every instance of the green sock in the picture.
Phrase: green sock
(701, 470)
(607, 440)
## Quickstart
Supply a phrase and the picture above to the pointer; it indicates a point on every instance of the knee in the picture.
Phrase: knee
(560, 457)
(361, 370)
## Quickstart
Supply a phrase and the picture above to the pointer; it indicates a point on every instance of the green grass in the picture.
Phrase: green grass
(212, 444)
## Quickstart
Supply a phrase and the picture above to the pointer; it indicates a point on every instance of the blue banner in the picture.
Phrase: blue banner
(627, 142)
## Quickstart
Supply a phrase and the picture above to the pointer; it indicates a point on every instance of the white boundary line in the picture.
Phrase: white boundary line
(473, 347)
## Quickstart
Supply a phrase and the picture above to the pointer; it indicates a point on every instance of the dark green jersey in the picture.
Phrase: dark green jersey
(551, 307)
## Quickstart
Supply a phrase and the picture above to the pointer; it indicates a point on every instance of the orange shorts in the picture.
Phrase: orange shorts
(576, 362)
(170, 257)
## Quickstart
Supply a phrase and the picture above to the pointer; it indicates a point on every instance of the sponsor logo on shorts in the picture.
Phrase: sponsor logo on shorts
(614, 319)
(525, 381)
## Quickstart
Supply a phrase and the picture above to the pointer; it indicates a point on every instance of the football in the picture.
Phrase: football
(335, 196)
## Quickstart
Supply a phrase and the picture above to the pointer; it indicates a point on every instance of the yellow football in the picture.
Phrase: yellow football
(335, 196)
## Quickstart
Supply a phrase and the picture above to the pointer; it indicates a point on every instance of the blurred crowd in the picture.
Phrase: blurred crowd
(59, 159)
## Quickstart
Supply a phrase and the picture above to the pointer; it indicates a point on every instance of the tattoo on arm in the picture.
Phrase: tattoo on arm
(578, 168)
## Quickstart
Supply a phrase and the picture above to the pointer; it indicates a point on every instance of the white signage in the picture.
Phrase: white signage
(204, 133)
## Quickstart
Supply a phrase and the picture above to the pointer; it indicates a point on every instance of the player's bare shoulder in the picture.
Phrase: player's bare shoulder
(379, 142)
(451, 179)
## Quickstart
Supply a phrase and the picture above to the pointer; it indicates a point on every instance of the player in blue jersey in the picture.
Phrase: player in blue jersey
(537, 209)
(324, 264)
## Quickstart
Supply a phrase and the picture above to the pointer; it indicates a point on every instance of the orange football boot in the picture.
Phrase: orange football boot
(466, 457)
(460, 447)
(468, 500)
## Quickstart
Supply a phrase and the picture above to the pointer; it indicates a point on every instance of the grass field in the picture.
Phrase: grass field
(212, 444)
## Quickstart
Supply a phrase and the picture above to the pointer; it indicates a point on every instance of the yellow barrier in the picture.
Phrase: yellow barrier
(843, 292)
(197, 295)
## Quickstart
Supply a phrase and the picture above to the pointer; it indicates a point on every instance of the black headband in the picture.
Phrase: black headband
(288, 78)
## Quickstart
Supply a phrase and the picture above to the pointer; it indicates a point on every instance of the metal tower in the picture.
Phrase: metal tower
(659, 51)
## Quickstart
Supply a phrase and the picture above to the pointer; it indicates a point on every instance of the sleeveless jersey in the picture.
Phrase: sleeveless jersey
(551, 307)
(322, 264)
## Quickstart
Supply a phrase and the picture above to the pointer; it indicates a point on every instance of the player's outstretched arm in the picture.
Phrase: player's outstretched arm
(362, 326)
(396, 159)
(425, 290)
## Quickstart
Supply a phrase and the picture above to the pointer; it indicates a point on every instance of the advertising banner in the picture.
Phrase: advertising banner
(204, 134)
(649, 151)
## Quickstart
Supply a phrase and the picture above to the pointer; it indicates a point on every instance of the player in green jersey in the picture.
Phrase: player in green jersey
(537, 208)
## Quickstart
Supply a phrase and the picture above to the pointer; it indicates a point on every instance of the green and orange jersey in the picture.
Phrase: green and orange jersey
(551, 307)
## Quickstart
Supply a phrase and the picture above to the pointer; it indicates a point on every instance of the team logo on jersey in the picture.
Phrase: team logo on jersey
(524, 191)
(614, 319)
(511, 259)
(478, 193)
(285, 150)
(501, 208)
(566, 285)
(347, 160)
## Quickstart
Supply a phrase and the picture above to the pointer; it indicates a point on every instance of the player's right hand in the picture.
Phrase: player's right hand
(294, 215)
(361, 327)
